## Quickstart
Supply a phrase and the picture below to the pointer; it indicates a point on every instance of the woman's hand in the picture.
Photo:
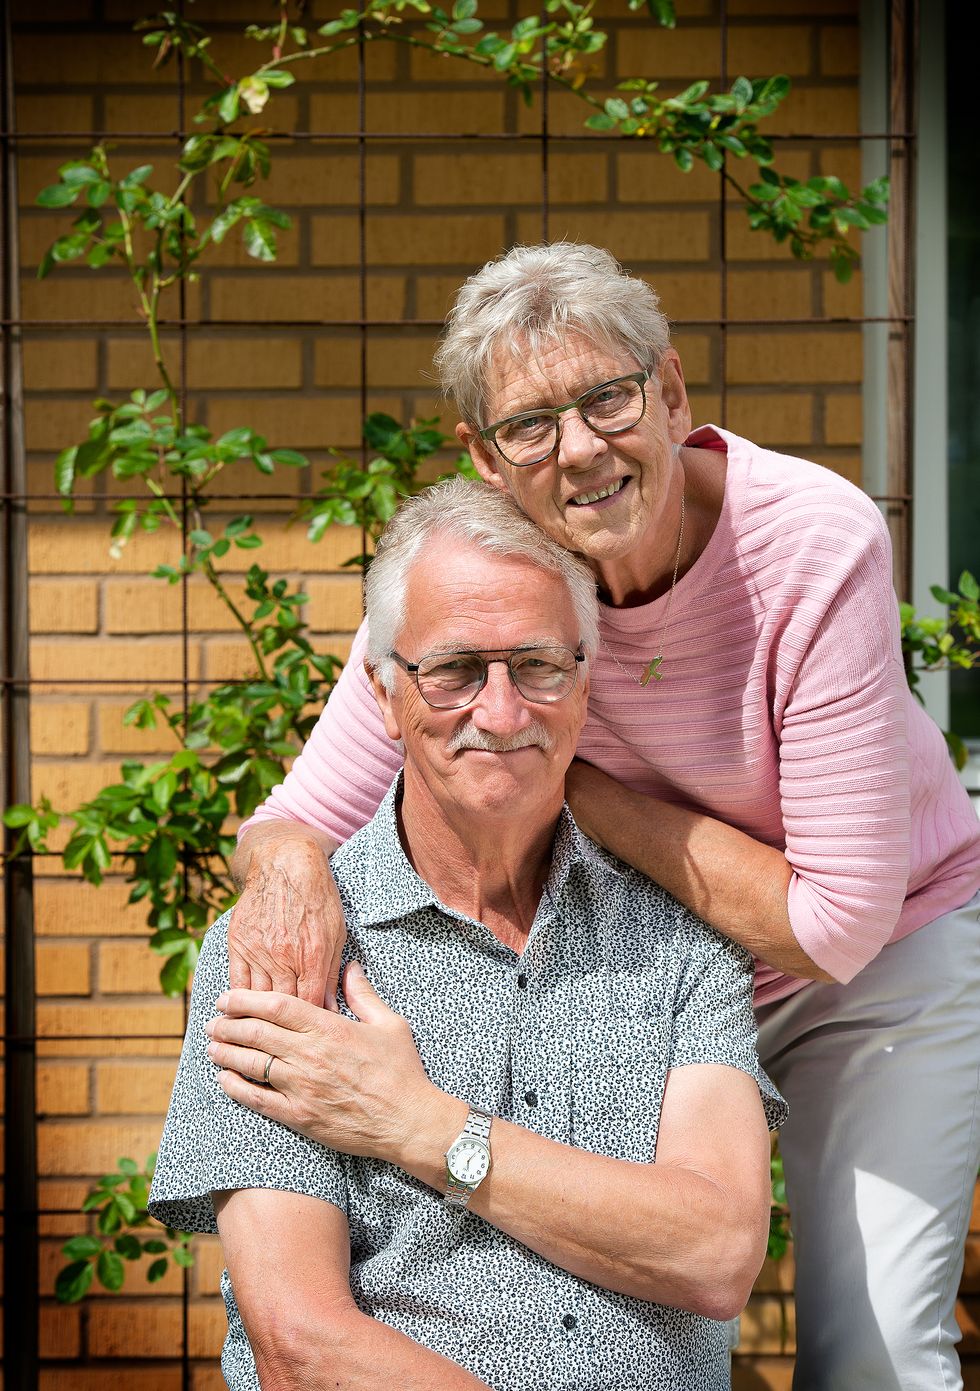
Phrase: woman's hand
(357, 1086)
(287, 930)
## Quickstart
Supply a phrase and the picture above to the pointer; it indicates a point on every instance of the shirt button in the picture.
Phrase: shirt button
(522, 981)
(531, 1098)
(570, 1321)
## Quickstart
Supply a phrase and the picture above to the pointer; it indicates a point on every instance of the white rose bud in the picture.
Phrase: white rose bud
(254, 93)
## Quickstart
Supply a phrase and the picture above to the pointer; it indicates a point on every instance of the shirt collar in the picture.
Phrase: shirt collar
(378, 884)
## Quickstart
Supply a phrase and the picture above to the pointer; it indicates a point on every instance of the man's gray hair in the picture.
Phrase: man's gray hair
(463, 510)
(532, 297)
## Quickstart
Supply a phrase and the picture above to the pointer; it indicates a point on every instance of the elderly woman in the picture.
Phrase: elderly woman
(752, 745)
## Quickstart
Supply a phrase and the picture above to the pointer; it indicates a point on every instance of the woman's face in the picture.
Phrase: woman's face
(602, 496)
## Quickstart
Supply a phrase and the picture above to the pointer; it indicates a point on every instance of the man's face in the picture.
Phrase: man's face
(631, 468)
(460, 598)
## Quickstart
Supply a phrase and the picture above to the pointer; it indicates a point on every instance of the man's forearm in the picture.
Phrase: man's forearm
(732, 881)
(671, 1232)
(353, 1352)
(268, 837)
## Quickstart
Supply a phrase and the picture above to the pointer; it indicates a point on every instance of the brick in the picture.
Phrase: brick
(209, 1262)
(844, 301)
(108, 1378)
(843, 419)
(59, 60)
(239, 362)
(53, 111)
(152, 606)
(459, 238)
(840, 50)
(778, 420)
(51, 423)
(567, 112)
(695, 353)
(430, 113)
(776, 1277)
(441, 68)
(64, 364)
(816, 7)
(51, 1261)
(68, 296)
(687, 294)
(296, 422)
(73, 908)
(59, 1331)
(804, 356)
(758, 50)
(151, 1029)
(335, 604)
(322, 179)
(66, 1195)
(841, 462)
(71, 1147)
(71, 783)
(844, 160)
(971, 1266)
(705, 408)
(508, 176)
(644, 175)
(337, 360)
(205, 1378)
(63, 968)
(64, 606)
(60, 726)
(81, 546)
(305, 298)
(768, 1324)
(128, 968)
(138, 663)
(240, 55)
(633, 237)
(817, 111)
(665, 53)
(115, 737)
(208, 1325)
(757, 294)
(135, 1088)
(62, 1089)
(761, 1374)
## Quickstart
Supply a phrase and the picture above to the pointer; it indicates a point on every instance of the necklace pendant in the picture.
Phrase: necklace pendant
(652, 671)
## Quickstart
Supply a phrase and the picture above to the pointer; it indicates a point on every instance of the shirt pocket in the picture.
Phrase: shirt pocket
(618, 1080)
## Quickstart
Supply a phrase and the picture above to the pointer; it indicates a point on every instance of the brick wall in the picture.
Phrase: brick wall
(434, 210)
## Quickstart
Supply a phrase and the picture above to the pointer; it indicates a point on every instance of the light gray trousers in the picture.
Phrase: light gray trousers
(881, 1153)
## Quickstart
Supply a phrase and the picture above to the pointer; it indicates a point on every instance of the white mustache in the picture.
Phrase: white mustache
(535, 735)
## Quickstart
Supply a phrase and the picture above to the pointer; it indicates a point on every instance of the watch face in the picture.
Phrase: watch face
(468, 1160)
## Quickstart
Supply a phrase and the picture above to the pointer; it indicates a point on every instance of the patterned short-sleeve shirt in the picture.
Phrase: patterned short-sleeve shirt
(573, 1038)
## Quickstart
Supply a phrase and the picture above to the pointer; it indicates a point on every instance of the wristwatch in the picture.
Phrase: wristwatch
(468, 1158)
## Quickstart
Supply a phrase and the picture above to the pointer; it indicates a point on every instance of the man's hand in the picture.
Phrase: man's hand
(357, 1087)
(287, 930)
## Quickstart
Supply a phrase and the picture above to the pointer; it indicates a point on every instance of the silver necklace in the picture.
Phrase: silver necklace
(652, 672)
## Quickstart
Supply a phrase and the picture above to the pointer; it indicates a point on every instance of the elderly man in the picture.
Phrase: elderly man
(548, 1023)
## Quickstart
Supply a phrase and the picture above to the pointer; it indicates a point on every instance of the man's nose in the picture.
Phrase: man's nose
(500, 708)
(580, 446)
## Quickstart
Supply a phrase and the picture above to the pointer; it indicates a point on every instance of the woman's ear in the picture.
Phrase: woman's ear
(484, 459)
(673, 393)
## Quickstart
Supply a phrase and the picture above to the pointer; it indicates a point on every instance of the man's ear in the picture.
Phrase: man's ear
(484, 460)
(674, 395)
(386, 704)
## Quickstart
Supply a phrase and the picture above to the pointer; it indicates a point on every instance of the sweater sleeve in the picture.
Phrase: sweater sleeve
(347, 765)
(841, 709)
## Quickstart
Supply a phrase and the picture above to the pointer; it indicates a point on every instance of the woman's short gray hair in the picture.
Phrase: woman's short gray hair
(463, 510)
(534, 296)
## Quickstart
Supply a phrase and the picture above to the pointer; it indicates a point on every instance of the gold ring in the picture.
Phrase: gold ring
(266, 1081)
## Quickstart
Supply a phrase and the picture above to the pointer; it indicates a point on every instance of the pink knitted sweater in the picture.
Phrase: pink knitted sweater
(784, 711)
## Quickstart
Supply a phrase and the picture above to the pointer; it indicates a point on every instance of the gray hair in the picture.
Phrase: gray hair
(533, 296)
(463, 510)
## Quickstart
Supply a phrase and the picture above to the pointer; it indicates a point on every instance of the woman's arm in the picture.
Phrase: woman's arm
(733, 882)
(287, 930)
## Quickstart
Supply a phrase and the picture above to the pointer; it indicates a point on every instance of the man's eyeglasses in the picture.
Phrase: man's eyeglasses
(450, 680)
(533, 436)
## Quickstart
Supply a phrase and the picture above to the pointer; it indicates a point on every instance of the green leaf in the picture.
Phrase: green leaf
(662, 11)
(81, 1247)
(617, 108)
(600, 121)
(465, 9)
(174, 976)
(182, 1256)
(128, 1247)
(110, 1270)
(969, 587)
(73, 1282)
(156, 1270)
(228, 105)
(58, 195)
(278, 77)
(139, 175)
(742, 91)
(260, 240)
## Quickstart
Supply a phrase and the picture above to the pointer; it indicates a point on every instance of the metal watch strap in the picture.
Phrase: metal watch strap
(478, 1125)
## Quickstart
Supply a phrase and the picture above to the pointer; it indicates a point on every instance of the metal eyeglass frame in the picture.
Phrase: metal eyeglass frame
(412, 668)
(490, 433)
